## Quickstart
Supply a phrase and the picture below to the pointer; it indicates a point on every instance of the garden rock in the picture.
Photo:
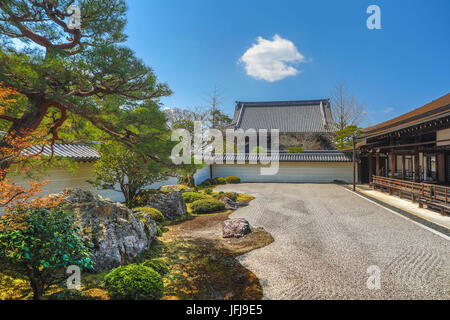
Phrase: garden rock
(170, 203)
(235, 228)
(232, 205)
(115, 234)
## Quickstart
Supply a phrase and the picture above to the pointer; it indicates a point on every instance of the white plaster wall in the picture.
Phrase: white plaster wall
(61, 179)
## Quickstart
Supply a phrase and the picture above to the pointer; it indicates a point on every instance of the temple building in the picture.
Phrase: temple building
(414, 146)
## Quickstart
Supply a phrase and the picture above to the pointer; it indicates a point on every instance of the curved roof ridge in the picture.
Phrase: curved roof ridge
(441, 104)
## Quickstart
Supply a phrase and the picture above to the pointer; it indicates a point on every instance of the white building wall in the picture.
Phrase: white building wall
(319, 172)
(61, 179)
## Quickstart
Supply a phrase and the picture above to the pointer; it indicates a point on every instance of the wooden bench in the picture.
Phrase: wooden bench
(400, 187)
(434, 196)
(442, 206)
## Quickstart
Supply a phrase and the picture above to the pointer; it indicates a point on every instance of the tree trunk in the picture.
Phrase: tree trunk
(29, 122)
(130, 198)
(188, 180)
(36, 285)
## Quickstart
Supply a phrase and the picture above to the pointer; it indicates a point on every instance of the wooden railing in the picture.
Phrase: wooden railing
(430, 194)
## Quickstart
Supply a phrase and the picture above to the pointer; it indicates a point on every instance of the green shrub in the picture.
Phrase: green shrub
(152, 213)
(208, 190)
(176, 187)
(193, 196)
(209, 182)
(158, 265)
(230, 195)
(45, 241)
(233, 179)
(295, 150)
(134, 282)
(143, 197)
(207, 206)
(221, 180)
(257, 150)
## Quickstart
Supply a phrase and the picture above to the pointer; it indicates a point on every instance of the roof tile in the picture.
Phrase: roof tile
(79, 152)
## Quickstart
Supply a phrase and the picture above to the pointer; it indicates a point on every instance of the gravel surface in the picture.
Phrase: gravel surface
(326, 238)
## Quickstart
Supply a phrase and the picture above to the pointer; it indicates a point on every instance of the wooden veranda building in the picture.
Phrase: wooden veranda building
(412, 147)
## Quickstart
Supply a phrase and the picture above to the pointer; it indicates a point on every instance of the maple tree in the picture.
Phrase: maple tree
(13, 195)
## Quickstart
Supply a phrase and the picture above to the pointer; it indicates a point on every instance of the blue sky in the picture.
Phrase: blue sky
(194, 45)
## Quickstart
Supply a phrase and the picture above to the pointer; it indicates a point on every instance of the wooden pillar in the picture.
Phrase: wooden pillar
(416, 165)
(440, 167)
(370, 166)
(385, 171)
(393, 165)
(403, 167)
(377, 163)
(360, 171)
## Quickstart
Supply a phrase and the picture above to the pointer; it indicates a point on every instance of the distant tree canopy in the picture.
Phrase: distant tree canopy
(346, 109)
(211, 117)
(76, 82)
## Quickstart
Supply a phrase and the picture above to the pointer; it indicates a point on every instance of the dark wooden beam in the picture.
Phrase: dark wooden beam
(403, 167)
(416, 165)
(407, 145)
(377, 163)
(393, 165)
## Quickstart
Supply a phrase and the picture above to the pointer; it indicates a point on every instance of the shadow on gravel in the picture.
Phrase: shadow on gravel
(203, 264)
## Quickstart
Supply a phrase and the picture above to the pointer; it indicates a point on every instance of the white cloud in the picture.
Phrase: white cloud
(272, 60)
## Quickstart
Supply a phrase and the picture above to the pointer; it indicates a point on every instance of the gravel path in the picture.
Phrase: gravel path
(326, 238)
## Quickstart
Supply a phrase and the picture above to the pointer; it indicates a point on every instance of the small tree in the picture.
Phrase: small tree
(39, 244)
(344, 137)
(123, 170)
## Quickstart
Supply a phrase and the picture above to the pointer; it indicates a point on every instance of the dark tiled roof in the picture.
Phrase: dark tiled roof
(286, 116)
(435, 109)
(79, 152)
(306, 156)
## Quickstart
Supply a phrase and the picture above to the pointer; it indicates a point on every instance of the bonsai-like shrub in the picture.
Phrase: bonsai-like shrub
(158, 265)
(152, 213)
(207, 206)
(134, 282)
(208, 190)
(193, 196)
(175, 187)
(233, 179)
(39, 244)
(221, 180)
(295, 150)
(230, 195)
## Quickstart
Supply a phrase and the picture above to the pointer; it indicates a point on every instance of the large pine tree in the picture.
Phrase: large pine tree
(66, 74)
